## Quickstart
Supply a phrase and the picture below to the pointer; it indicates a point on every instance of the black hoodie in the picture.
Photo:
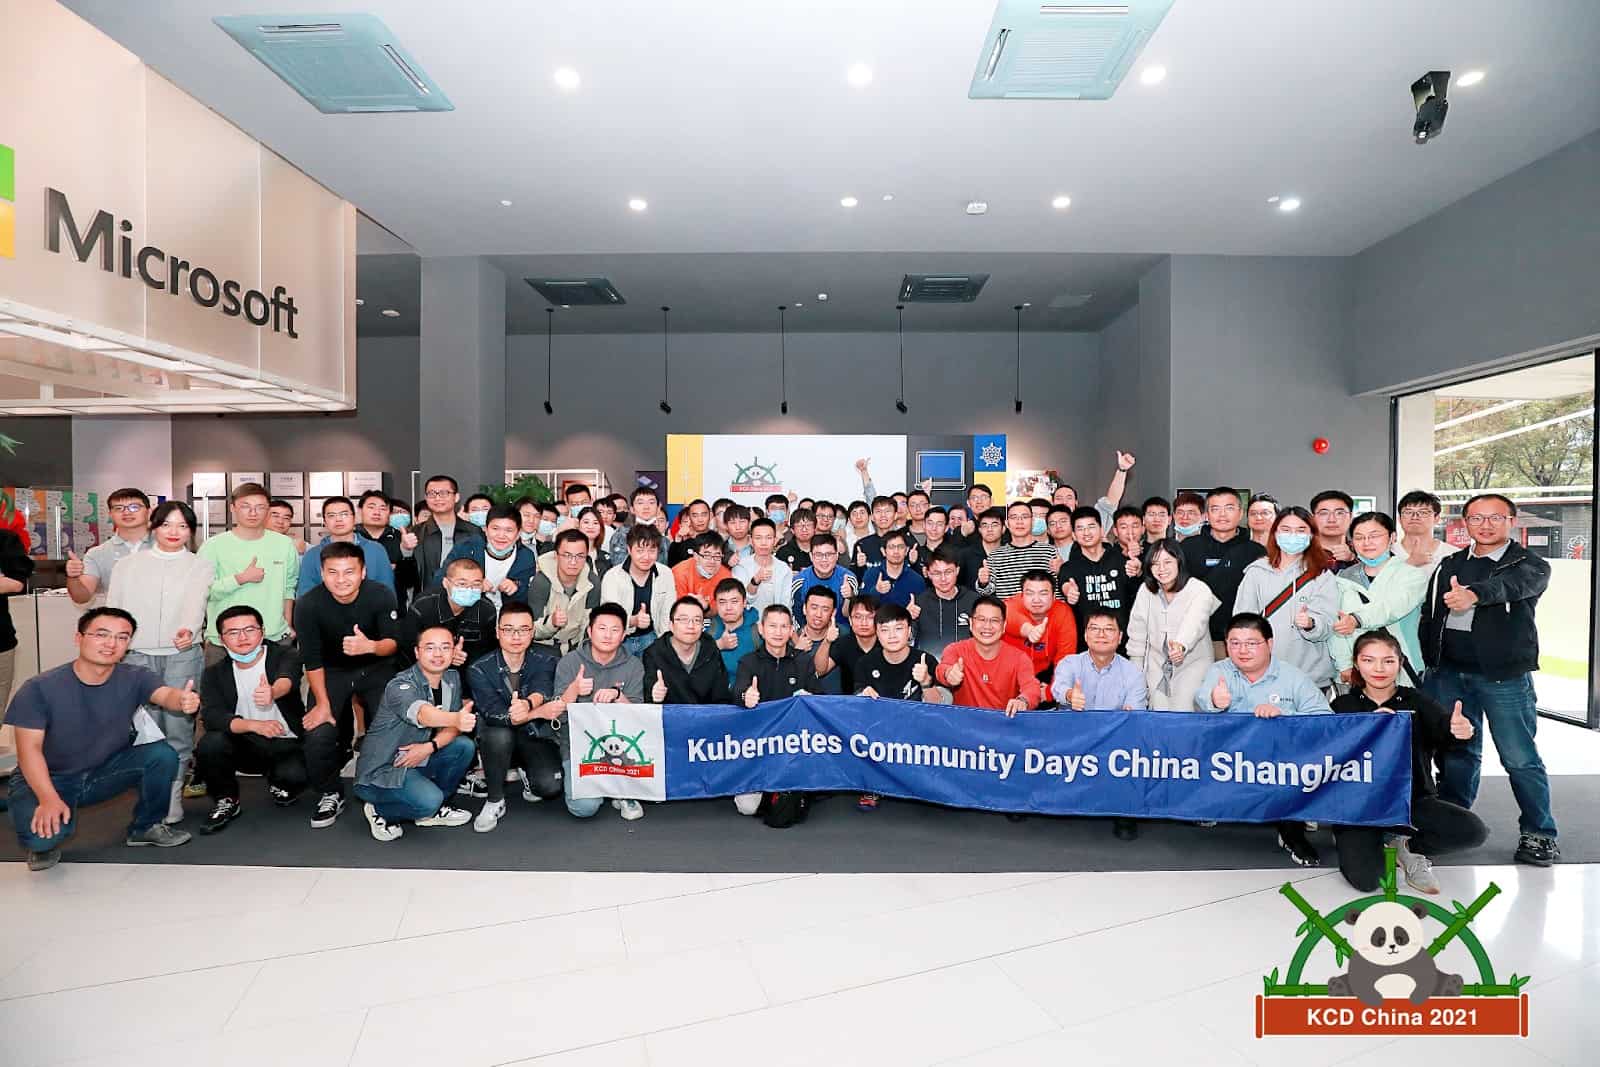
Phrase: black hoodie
(704, 682)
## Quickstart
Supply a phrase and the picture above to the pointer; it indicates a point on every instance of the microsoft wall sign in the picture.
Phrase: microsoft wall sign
(161, 271)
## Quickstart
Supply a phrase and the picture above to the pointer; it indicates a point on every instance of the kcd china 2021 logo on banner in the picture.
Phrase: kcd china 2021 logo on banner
(1385, 976)
(755, 477)
(616, 753)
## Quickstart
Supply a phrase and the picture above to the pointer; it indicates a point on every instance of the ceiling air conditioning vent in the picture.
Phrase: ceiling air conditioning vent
(577, 292)
(941, 288)
(1062, 51)
(342, 64)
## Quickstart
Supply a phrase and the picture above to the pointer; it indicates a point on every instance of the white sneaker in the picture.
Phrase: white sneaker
(631, 809)
(493, 811)
(1418, 870)
(381, 829)
(175, 806)
(447, 816)
(527, 788)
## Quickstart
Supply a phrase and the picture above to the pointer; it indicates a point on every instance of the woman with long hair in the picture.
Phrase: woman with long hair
(594, 530)
(1169, 629)
(1295, 590)
(1381, 591)
(165, 590)
(1440, 826)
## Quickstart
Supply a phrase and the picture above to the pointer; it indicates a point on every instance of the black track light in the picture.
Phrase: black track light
(1018, 401)
(666, 408)
(900, 404)
(549, 358)
(783, 360)
(549, 408)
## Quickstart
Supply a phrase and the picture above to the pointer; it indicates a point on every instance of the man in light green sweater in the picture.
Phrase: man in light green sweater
(254, 566)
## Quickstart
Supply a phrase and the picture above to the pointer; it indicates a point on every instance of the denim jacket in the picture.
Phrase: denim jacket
(395, 725)
(491, 687)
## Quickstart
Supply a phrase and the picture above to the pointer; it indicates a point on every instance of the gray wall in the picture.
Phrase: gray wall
(380, 435)
(1510, 269)
(1155, 402)
(607, 387)
(45, 455)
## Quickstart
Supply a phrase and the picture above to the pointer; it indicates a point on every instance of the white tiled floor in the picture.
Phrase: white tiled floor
(103, 964)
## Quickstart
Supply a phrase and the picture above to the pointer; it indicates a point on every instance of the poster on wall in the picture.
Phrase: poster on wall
(1363, 504)
(750, 467)
(238, 478)
(327, 483)
(287, 484)
(358, 482)
(209, 484)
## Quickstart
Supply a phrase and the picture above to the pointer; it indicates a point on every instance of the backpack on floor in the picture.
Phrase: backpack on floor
(783, 810)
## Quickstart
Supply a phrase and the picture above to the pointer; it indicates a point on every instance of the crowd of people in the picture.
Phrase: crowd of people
(438, 643)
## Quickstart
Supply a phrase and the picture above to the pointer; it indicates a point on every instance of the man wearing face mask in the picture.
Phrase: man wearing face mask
(438, 536)
(390, 526)
(507, 564)
(1218, 556)
(339, 517)
(460, 607)
(698, 575)
(777, 509)
(1188, 515)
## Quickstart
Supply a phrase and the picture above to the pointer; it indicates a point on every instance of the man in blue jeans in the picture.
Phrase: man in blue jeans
(74, 726)
(1481, 646)
(416, 751)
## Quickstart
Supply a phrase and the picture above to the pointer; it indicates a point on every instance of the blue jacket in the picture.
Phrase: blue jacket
(491, 690)
(379, 569)
(523, 565)
(395, 725)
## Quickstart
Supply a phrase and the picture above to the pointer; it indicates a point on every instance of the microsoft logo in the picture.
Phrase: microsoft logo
(8, 196)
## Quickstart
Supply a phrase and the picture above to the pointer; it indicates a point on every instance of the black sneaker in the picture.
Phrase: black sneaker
(329, 805)
(474, 784)
(43, 861)
(281, 797)
(1124, 829)
(1537, 851)
(224, 811)
(1299, 849)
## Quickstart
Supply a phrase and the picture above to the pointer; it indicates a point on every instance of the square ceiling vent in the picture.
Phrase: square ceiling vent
(342, 64)
(578, 292)
(1044, 51)
(941, 288)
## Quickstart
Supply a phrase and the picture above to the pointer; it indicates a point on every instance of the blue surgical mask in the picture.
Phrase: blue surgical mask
(248, 657)
(839, 524)
(1186, 531)
(478, 518)
(1038, 527)
(1376, 561)
(490, 549)
(778, 515)
(547, 528)
(399, 520)
(463, 597)
(1294, 543)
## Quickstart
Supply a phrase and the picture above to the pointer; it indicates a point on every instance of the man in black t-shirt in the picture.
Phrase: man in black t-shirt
(1097, 574)
(1219, 554)
(348, 628)
(863, 636)
(893, 669)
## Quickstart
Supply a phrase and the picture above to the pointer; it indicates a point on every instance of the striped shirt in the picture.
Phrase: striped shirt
(1008, 563)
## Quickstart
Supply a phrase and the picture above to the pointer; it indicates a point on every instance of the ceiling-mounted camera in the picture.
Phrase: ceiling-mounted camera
(1427, 93)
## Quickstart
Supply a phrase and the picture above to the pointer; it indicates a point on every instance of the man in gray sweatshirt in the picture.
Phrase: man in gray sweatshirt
(600, 671)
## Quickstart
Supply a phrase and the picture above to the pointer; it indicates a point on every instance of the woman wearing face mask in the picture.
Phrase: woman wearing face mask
(1381, 592)
(1169, 631)
(1297, 593)
(1262, 514)
(593, 528)
(165, 591)
(528, 516)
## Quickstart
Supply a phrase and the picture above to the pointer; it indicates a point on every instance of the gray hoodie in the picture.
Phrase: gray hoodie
(625, 672)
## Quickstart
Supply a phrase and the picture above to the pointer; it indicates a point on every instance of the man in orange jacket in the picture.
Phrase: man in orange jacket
(1039, 624)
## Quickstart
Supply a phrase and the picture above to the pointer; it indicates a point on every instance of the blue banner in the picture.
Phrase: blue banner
(1352, 769)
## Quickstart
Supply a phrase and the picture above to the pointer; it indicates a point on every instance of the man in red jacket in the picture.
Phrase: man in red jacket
(984, 671)
(1039, 624)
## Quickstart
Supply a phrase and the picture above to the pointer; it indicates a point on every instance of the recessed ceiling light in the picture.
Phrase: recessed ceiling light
(637, 204)
(505, 203)
(887, 197)
(798, 304)
(1153, 75)
(1272, 199)
(859, 75)
(977, 207)
(822, 296)
(847, 201)
(1470, 78)
(1027, 304)
(390, 313)
(1061, 203)
(567, 78)
(1289, 203)
(360, 302)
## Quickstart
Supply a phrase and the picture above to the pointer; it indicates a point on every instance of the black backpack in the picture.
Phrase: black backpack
(782, 810)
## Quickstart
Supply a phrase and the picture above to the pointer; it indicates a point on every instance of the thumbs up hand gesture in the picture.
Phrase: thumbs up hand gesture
(1075, 696)
(1458, 597)
(1220, 697)
(74, 565)
(465, 719)
(1125, 461)
(833, 632)
(752, 696)
(803, 642)
(520, 711)
(658, 692)
(1345, 624)
(641, 621)
(189, 700)
(861, 556)
(1175, 652)
(357, 644)
(408, 541)
(251, 574)
(884, 586)
(583, 683)
(183, 639)
(1033, 634)
(1302, 618)
(914, 610)
(983, 574)
(955, 673)
(1460, 727)
(458, 655)
(1133, 567)
(1071, 591)
(1055, 563)
(920, 674)
(263, 692)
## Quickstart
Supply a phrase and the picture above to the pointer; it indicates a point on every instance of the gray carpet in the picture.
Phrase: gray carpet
(708, 836)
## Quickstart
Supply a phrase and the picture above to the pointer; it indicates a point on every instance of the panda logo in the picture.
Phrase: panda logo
(1391, 961)
(615, 749)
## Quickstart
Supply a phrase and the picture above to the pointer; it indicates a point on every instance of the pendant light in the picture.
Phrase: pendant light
(900, 404)
(666, 408)
(783, 360)
(1018, 309)
(549, 357)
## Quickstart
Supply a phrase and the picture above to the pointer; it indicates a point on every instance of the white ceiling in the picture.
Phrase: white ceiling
(735, 122)
(1547, 381)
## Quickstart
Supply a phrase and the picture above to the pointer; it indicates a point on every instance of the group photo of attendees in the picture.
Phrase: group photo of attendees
(417, 663)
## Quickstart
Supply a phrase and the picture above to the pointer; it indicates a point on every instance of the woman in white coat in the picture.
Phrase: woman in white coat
(1297, 593)
(1169, 630)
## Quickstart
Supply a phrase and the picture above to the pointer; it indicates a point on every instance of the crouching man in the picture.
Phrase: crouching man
(600, 670)
(416, 751)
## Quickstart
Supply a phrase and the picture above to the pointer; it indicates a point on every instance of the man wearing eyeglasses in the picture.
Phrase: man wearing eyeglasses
(255, 566)
(339, 518)
(74, 730)
(460, 607)
(563, 593)
(250, 704)
(130, 526)
(1481, 644)
(433, 541)
(511, 686)
(1333, 511)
